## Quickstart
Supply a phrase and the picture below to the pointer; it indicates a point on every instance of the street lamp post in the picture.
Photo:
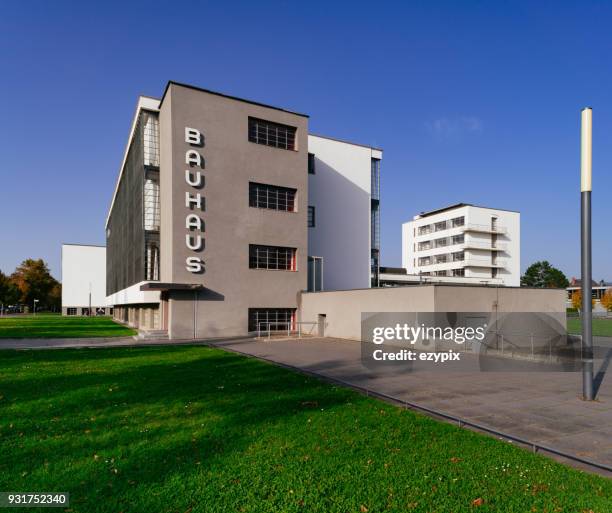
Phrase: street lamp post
(586, 167)
(35, 301)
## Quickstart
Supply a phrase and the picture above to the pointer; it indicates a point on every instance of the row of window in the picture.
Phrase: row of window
(457, 256)
(441, 243)
(450, 272)
(85, 311)
(442, 225)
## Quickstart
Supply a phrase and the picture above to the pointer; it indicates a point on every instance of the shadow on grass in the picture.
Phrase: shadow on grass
(161, 403)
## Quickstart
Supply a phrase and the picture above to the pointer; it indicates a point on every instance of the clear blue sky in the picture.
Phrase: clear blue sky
(472, 101)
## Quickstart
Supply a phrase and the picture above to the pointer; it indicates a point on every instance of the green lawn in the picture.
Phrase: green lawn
(57, 326)
(194, 429)
(601, 327)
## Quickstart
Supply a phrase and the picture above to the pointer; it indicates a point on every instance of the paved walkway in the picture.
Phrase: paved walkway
(542, 407)
(59, 343)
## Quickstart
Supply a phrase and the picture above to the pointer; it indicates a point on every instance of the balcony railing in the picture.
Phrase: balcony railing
(485, 245)
(484, 262)
(486, 228)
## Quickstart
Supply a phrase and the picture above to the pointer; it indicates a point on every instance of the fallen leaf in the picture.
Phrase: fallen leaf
(478, 502)
(363, 509)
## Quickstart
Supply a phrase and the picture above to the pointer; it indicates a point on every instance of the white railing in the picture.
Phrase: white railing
(484, 245)
(297, 328)
(483, 262)
(483, 228)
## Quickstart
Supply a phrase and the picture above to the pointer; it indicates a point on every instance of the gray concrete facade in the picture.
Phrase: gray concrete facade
(229, 162)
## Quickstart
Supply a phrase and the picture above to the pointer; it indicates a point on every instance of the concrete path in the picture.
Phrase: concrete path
(541, 407)
(58, 343)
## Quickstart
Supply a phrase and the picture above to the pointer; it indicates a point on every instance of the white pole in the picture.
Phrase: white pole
(586, 171)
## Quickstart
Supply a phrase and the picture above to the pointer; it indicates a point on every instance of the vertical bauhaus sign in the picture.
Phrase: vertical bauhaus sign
(195, 204)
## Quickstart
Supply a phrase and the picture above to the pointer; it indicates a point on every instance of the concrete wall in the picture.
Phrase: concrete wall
(343, 308)
(340, 191)
(230, 224)
(83, 271)
(133, 295)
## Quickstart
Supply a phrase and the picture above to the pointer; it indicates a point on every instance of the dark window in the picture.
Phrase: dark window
(71, 311)
(271, 134)
(311, 217)
(152, 259)
(274, 319)
(272, 258)
(315, 274)
(375, 179)
(311, 164)
(262, 195)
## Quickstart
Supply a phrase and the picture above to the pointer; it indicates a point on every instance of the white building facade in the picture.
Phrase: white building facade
(344, 215)
(84, 280)
(464, 243)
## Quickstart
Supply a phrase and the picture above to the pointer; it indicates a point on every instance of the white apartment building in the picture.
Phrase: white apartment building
(464, 243)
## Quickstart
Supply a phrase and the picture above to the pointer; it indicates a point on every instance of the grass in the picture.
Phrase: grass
(194, 429)
(58, 326)
(601, 327)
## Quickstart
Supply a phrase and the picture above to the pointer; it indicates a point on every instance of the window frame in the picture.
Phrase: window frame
(272, 134)
(312, 169)
(260, 254)
(273, 197)
(289, 314)
(312, 217)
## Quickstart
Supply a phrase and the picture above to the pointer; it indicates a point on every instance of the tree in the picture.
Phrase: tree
(606, 300)
(54, 301)
(9, 294)
(34, 281)
(543, 275)
(577, 300)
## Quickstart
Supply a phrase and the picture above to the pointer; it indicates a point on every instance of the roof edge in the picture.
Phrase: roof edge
(223, 95)
(422, 215)
(344, 141)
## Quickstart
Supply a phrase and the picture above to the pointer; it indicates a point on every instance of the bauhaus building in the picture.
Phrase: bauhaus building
(226, 210)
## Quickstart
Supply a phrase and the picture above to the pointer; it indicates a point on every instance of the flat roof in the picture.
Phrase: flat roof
(223, 95)
(344, 141)
(86, 245)
(437, 284)
(459, 205)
